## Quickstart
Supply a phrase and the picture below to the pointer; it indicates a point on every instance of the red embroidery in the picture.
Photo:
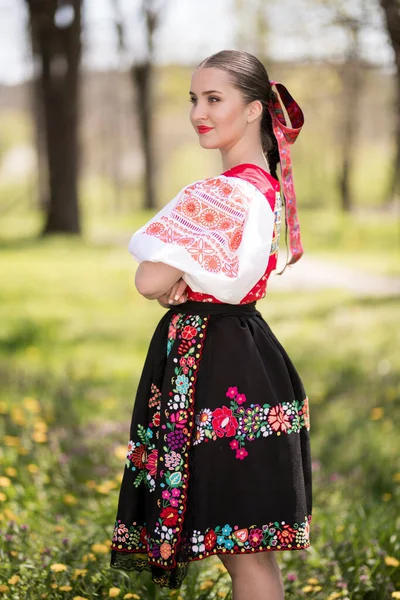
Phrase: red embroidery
(208, 220)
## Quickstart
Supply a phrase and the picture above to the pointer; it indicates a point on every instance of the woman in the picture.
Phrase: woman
(218, 460)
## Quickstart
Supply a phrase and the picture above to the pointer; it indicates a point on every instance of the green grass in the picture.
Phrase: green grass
(73, 336)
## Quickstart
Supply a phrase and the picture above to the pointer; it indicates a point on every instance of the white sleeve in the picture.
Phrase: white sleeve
(218, 231)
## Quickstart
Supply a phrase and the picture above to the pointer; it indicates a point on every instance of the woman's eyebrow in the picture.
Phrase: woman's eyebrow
(205, 93)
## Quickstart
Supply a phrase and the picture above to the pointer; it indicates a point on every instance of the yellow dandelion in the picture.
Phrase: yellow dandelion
(376, 413)
(79, 598)
(386, 497)
(65, 588)
(396, 479)
(133, 596)
(79, 573)
(221, 595)
(11, 440)
(120, 452)
(105, 487)
(391, 561)
(312, 581)
(41, 426)
(23, 451)
(14, 579)
(3, 497)
(317, 588)
(307, 588)
(335, 596)
(395, 594)
(13, 553)
(31, 404)
(58, 567)
(54, 586)
(114, 592)
(5, 482)
(59, 528)
(3, 408)
(39, 437)
(10, 515)
(90, 484)
(82, 522)
(100, 549)
(69, 499)
(90, 557)
(4, 588)
(206, 585)
(33, 468)
(11, 472)
(17, 416)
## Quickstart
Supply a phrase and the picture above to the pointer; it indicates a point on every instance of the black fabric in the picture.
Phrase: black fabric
(219, 394)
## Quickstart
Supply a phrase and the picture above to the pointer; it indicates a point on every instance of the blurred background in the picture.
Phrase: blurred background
(94, 138)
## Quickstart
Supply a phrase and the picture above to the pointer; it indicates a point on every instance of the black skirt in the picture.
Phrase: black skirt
(218, 460)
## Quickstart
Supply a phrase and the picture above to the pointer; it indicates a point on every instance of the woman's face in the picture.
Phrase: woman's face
(218, 113)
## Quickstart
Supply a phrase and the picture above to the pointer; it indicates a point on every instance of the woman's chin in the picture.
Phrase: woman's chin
(207, 144)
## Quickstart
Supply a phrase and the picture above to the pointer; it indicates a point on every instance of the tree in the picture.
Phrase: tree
(391, 10)
(142, 75)
(56, 42)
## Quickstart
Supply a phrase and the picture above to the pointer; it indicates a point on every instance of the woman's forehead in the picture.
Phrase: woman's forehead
(207, 79)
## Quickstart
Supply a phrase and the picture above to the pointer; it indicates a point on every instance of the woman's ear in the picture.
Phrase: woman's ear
(254, 111)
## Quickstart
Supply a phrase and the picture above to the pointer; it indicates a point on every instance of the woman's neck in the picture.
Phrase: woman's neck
(239, 156)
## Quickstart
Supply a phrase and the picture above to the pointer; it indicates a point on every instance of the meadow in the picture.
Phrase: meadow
(73, 337)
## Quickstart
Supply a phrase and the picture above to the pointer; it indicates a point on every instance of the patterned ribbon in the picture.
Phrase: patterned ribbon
(287, 121)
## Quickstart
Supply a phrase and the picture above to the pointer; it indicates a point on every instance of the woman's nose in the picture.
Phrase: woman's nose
(199, 112)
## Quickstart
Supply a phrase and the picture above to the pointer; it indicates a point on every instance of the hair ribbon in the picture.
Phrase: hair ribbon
(287, 121)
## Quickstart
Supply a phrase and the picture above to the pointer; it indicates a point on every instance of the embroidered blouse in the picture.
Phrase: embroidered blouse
(223, 232)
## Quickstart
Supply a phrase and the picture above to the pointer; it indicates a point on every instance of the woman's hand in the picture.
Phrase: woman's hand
(175, 295)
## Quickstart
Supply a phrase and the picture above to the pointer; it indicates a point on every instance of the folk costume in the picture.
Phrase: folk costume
(218, 460)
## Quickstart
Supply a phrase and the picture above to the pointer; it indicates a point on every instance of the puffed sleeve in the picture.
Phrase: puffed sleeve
(218, 231)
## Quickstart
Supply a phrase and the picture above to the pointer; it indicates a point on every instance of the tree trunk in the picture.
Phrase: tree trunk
(351, 76)
(392, 16)
(59, 52)
(142, 79)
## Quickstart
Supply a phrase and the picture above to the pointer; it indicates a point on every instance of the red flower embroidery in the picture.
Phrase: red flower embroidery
(255, 537)
(306, 414)
(165, 550)
(169, 516)
(151, 464)
(223, 422)
(278, 419)
(232, 391)
(143, 534)
(286, 535)
(189, 332)
(210, 539)
(139, 456)
(241, 453)
(156, 419)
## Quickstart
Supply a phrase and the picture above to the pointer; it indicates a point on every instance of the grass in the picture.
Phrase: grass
(72, 343)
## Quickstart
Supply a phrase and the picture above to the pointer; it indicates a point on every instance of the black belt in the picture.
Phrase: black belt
(213, 308)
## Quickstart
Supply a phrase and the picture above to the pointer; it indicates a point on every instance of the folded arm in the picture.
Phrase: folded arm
(154, 279)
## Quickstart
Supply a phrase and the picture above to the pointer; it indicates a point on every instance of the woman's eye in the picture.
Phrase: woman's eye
(213, 99)
(192, 100)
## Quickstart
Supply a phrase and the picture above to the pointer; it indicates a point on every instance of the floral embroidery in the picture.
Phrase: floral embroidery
(220, 539)
(251, 422)
(162, 455)
(208, 219)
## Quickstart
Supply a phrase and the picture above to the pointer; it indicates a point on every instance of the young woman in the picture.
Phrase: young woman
(218, 461)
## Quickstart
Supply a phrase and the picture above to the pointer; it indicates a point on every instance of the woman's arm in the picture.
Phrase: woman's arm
(154, 279)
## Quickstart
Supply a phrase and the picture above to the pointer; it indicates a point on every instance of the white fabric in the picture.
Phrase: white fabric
(213, 258)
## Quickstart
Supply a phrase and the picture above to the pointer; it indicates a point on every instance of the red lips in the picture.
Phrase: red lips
(204, 129)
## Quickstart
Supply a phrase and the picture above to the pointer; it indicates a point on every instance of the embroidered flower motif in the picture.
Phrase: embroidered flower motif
(210, 539)
(172, 460)
(198, 542)
(165, 550)
(278, 420)
(177, 402)
(241, 453)
(306, 414)
(190, 361)
(198, 436)
(169, 516)
(176, 439)
(156, 419)
(229, 544)
(223, 422)
(189, 332)
(182, 384)
(232, 391)
(286, 535)
(209, 218)
(180, 418)
(234, 444)
(139, 456)
(204, 416)
(151, 464)
(226, 530)
(176, 493)
(182, 361)
(166, 494)
(256, 537)
(240, 398)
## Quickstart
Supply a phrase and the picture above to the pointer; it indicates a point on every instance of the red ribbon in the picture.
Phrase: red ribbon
(286, 128)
